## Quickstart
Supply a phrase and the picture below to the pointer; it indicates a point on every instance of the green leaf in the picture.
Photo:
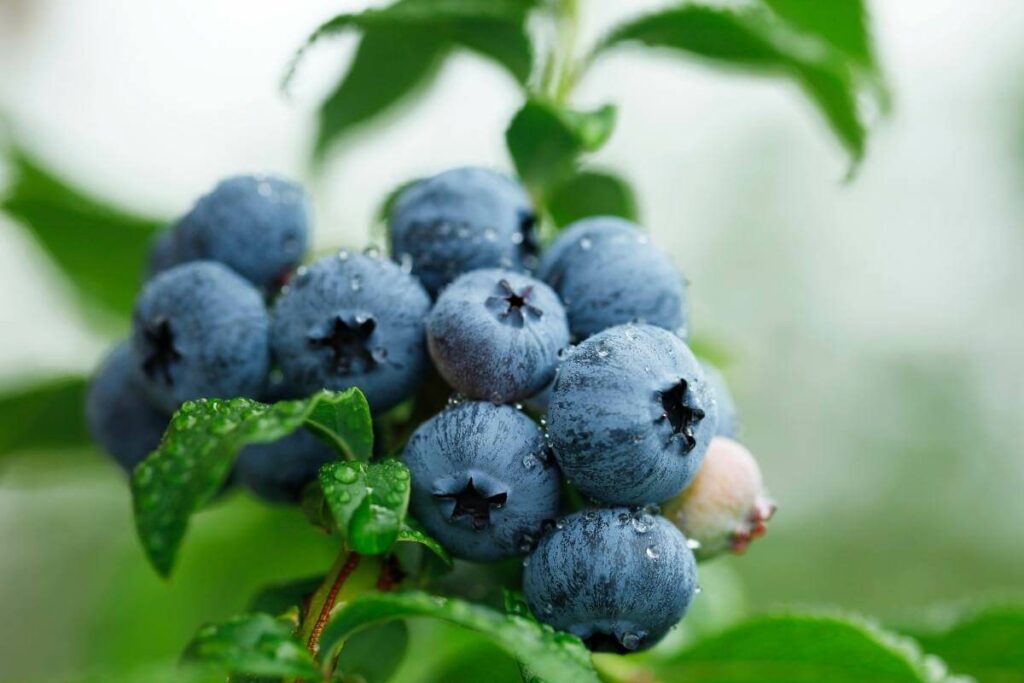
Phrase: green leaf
(46, 415)
(101, 249)
(515, 603)
(842, 24)
(550, 655)
(373, 655)
(983, 642)
(753, 39)
(252, 645)
(546, 141)
(591, 193)
(278, 598)
(200, 447)
(402, 47)
(412, 532)
(792, 647)
(368, 502)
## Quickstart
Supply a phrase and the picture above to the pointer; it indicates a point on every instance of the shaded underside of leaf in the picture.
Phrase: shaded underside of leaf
(101, 249)
(46, 415)
(552, 656)
(591, 193)
(199, 449)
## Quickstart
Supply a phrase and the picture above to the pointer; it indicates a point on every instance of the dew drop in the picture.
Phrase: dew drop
(526, 562)
(586, 243)
(355, 283)
(346, 475)
(405, 263)
(529, 462)
(372, 251)
(630, 641)
(642, 524)
(548, 608)
(653, 552)
(344, 255)
(264, 189)
(698, 590)
(517, 238)
(692, 544)
(490, 234)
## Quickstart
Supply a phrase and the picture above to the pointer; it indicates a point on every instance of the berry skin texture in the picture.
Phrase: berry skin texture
(608, 273)
(119, 415)
(482, 483)
(255, 224)
(631, 415)
(728, 418)
(200, 331)
(617, 578)
(278, 471)
(461, 220)
(725, 508)
(496, 335)
(352, 320)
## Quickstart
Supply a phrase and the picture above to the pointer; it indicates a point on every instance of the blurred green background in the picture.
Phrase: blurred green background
(874, 329)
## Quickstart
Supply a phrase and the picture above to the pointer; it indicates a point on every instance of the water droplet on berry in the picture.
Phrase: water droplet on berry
(642, 524)
(586, 243)
(343, 255)
(372, 251)
(517, 238)
(264, 189)
(356, 283)
(698, 590)
(405, 263)
(490, 234)
(548, 608)
(529, 462)
(653, 552)
(630, 641)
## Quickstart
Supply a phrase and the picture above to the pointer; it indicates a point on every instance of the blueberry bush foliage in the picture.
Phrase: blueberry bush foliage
(350, 623)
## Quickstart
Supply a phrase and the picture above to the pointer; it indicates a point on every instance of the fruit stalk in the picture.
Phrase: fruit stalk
(325, 598)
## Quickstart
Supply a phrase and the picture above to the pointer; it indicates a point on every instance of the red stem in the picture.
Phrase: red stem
(325, 611)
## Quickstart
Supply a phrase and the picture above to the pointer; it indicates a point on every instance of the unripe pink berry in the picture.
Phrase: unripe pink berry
(725, 507)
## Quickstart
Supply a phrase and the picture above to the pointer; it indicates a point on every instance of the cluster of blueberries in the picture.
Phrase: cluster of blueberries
(590, 334)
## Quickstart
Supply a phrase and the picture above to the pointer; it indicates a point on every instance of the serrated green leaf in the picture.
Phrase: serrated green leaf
(373, 655)
(753, 39)
(367, 501)
(201, 445)
(412, 532)
(50, 414)
(100, 248)
(842, 24)
(252, 645)
(278, 598)
(591, 193)
(546, 141)
(793, 647)
(550, 655)
(983, 642)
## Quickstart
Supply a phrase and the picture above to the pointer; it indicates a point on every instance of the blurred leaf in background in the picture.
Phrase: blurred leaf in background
(50, 415)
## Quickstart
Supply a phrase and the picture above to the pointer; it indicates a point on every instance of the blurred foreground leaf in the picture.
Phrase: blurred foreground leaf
(403, 45)
(252, 645)
(591, 193)
(550, 655)
(278, 598)
(787, 648)
(100, 248)
(46, 415)
(753, 39)
(985, 642)
(373, 655)
(200, 447)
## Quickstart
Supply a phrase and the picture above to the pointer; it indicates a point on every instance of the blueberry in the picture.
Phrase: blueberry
(278, 471)
(481, 480)
(200, 331)
(608, 273)
(461, 220)
(257, 225)
(631, 415)
(352, 320)
(728, 421)
(726, 507)
(617, 578)
(496, 335)
(162, 253)
(119, 415)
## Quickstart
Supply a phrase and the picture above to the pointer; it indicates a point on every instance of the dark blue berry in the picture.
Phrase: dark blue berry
(631, 415)
(481, 481)
(461, 220)
(727, 423)
(608, 273)
(120, 416)
(200, 331)
(617, 578)
(352, 320)
(496, 335)
(278, 471)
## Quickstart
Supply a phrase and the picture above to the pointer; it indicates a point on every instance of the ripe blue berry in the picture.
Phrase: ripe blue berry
(728, 421)
(461, 220)
(481, 481)
(278, 471)
(352, 320)
(631, 415)
(496, 335)
(200, 331)
(617, 578)
(608, 273)
(119, 415)
(257, 225)
(162, 253)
